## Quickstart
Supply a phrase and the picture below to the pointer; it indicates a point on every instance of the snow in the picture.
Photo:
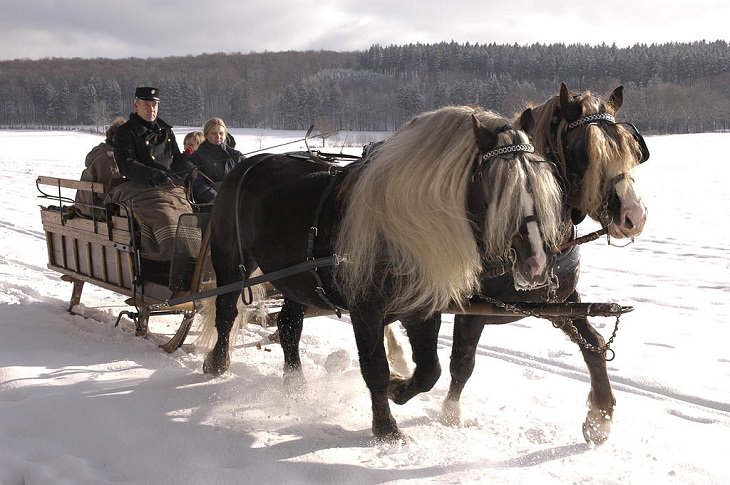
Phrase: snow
(85, 402)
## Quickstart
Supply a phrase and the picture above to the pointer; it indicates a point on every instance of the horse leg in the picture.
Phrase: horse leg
(218, 359)
(289, 323)
(423, 336)
(374, 368)
(601, 400)
(467, 331)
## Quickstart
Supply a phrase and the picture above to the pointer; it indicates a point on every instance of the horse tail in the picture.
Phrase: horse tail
(255, 312)
(395, 352)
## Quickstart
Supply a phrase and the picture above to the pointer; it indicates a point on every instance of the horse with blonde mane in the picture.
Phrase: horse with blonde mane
(595, 158)
(400, 234)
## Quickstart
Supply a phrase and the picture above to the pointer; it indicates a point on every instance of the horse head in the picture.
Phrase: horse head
(519, 200)
(595, 155)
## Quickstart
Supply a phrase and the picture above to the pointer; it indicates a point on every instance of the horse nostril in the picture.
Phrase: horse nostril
(535, 266)
(628, 223)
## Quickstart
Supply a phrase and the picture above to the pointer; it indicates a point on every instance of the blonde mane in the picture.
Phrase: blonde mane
(506, 178)
(406, 213)
(611, 149)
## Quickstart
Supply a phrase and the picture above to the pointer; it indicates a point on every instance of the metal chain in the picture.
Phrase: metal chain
(605, 349)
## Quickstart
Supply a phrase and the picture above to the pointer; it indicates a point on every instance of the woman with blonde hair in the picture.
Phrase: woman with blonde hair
(214, 158)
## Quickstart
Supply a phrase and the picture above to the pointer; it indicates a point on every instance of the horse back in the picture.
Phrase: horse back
(269, 204)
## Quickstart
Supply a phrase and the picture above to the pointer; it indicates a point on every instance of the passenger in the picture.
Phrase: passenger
(100, 167)
(149, 158)
(214, 158)
(192, 141)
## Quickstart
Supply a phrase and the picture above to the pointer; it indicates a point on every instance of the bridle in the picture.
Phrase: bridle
(571, 180)
(610, 119)
(484, 159)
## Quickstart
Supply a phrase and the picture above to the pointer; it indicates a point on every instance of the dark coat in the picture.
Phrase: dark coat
(100, 167)
(214, 162)
(148, 153)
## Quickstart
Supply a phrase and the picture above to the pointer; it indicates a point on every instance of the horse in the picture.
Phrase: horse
(595, 156)
(398, 234)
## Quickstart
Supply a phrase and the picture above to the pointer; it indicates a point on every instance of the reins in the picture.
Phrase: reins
(323, 262)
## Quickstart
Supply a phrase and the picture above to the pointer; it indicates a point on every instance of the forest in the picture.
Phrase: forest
(668, 88)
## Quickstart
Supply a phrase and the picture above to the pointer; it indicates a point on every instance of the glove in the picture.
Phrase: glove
(159, 178)
(189, 151)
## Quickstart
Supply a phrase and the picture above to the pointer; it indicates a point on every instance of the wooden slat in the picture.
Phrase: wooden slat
(120, 237)
(94, 281)
(104, 269)
(97, 187)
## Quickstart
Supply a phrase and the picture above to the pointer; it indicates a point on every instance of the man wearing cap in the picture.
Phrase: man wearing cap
(146, 150)
(150, 160)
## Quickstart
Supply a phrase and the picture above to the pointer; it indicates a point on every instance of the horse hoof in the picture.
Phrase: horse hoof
(399, 390)
(216, 363)
(451, 413)
(596, 430)
(294, 382)
(392, 438)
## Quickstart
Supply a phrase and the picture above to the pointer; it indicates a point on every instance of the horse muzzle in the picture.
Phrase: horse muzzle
(629, 222)
(533, 272)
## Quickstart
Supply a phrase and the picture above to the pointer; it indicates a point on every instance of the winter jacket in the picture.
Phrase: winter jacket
(100, 167)
(148, 153)
(213, 162)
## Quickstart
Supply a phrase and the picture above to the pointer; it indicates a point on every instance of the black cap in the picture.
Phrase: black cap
(147, 93)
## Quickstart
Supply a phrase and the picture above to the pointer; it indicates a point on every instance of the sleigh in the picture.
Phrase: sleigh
(104, 251)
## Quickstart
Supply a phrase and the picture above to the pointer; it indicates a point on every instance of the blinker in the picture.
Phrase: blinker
(639, 139)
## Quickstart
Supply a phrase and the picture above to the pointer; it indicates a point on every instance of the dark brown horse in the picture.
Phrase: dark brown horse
(595, 156)
(400, 234)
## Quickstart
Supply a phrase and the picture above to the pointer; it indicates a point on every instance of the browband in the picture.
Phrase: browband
(592, 118)
(522, 147)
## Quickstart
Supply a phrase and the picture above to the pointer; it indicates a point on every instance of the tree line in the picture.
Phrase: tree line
(669, 88)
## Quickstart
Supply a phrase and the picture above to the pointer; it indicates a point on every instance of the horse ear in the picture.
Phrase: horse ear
(526, 121)
(569, 110)
(617, 98)
(564, 97)
(485, 139)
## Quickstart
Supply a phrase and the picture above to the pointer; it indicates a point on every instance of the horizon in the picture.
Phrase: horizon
(474, 44)
(77, 29)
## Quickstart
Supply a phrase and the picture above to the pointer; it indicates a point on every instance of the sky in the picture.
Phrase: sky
(83, 402)
(160, 28)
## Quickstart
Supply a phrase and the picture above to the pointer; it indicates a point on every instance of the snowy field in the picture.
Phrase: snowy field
(83, 402)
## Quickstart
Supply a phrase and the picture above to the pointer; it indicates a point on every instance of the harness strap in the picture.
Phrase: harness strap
(241, 266)
(324, 262)
(312, 237)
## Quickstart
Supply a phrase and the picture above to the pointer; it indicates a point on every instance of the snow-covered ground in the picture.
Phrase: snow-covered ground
(83, 402)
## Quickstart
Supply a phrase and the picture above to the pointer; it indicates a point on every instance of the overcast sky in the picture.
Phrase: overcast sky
(156, 28)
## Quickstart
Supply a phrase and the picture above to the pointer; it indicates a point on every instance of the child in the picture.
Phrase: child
(192, 141)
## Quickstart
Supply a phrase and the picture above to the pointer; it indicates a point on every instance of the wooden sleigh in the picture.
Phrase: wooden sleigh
(105, 252)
